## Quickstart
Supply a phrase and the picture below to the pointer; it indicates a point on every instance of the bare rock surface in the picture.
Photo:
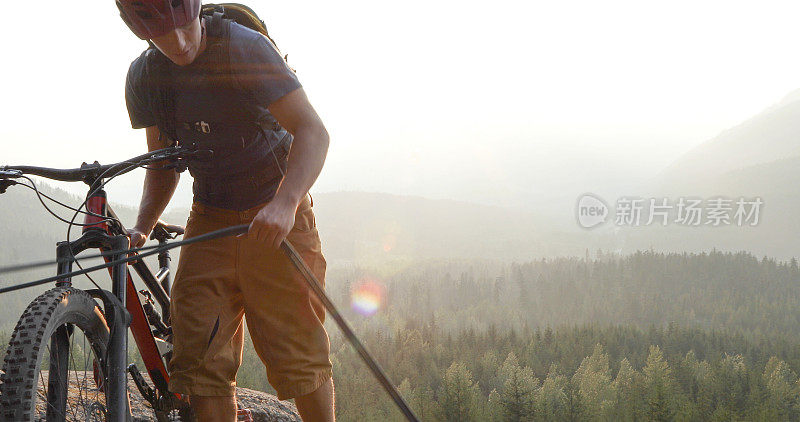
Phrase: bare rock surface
(263, 407)
(84, 401)
(266, 407)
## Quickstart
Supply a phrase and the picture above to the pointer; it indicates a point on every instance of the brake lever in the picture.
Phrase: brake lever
(5, 179)
(10, 174)
(180, 164)
(5, 183)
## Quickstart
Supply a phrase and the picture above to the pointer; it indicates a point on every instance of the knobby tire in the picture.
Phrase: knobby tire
(48, 329)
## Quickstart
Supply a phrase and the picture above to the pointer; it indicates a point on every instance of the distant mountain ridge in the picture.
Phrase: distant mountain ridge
(358, 226)
(353, 226)
(773, 134)
(759, 158)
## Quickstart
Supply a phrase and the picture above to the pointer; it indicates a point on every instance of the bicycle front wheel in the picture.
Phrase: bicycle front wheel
(53, 369)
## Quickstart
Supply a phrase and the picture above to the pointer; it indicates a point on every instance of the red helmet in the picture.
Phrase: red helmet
(152, 18)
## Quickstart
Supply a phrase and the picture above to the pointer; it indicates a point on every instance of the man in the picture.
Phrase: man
(227, 90)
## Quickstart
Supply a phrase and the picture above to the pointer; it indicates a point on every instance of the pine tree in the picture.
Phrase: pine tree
(700, 385)
(458, 395)
(494, 409)
(659, 386)
(782, 386)
(551, 402)
(733, 386)
(593, 380)
(519, 388)
(626, 404)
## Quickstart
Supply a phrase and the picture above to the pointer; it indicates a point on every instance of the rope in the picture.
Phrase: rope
(294, 257)
(227, 231)
(348, 332)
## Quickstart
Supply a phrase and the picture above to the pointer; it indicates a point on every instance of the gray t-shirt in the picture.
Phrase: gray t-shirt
(216, 108)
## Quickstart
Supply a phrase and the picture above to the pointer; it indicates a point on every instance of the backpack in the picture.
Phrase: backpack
(235, 12)
(239, 13)
(242, 15)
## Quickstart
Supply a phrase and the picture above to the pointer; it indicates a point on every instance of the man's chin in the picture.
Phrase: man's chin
(182, 60)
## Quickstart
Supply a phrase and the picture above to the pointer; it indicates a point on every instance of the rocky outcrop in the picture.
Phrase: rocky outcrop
(264, 407)
(84, 400)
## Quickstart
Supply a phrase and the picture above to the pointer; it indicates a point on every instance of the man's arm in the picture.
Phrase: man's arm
(306, 158)
(309, 147)
(159, 185)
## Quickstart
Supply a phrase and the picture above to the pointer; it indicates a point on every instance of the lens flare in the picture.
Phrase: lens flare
(367, 297)
(389, 242)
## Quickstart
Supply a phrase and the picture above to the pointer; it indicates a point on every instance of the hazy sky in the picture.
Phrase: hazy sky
(480, 101)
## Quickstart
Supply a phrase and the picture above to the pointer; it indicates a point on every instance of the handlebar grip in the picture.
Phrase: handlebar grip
(165, 231)
(171, 228)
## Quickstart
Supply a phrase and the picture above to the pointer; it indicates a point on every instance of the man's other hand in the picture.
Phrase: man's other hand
(273, 222)
(138, 237)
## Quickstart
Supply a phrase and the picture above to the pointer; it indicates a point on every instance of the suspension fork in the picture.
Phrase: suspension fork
(98, 234)
(117, 398)
(95, 236)
(116, 360)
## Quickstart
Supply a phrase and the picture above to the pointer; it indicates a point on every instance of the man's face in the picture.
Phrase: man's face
(182, 45)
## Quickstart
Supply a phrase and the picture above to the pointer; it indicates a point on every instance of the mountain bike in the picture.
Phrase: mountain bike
(81, 336)
(67, 357)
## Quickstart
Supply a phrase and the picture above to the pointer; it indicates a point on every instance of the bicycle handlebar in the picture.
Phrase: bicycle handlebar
(89, 171)
(64, 175)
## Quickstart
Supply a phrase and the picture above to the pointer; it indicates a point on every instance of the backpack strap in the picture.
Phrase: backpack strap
(162, 94)
(216, 29)
(218, 32)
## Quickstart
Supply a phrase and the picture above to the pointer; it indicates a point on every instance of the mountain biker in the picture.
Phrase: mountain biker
(224, 83)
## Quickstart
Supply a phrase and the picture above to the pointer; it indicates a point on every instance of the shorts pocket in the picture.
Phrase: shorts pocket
(304, 221)
(199, 209)
(304, 218)
(189, 229)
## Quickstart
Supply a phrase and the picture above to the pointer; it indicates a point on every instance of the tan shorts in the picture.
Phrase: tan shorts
(219, 281)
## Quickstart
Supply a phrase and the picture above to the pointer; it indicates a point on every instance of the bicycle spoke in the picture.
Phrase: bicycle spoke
(72, 359)
(66, 383)
(85, 364)
(85, 406)
(86, 381)
(45, 385)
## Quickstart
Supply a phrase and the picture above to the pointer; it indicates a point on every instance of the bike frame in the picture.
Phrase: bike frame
(107, 237)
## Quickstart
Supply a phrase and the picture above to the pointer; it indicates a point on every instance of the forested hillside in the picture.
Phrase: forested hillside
(756, 296)
(649, 336)
(573, 374)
